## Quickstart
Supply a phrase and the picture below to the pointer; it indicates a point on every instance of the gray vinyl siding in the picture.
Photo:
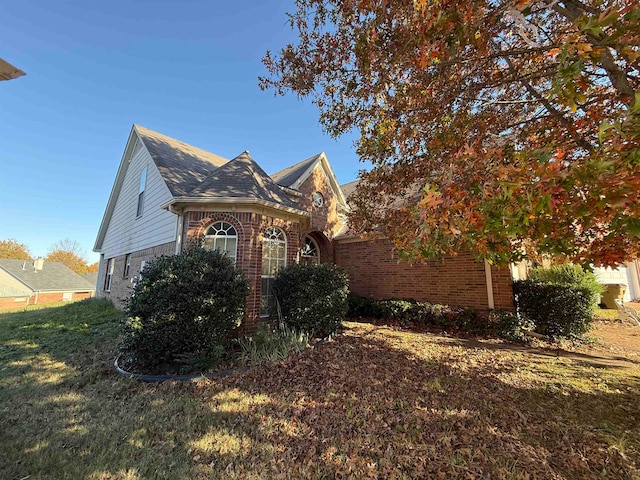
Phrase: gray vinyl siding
(125, 232)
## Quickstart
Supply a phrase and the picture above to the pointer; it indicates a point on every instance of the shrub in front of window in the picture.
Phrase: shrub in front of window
(312, 298)
(184, 307)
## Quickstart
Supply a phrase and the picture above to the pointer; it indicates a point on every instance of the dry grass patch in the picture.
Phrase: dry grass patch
(376, 402)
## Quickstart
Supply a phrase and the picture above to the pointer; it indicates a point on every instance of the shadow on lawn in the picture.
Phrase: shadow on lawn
(373, 402)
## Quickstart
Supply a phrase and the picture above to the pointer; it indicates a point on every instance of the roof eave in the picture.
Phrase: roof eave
(231, 201)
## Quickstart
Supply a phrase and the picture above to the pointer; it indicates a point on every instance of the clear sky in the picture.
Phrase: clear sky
(188, 69)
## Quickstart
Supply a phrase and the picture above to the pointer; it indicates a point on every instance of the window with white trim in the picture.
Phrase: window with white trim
(143, 186)
(127, 265)
(309, 253)
(108, 275)
(274, 257)
(222, 236)
(67, 296)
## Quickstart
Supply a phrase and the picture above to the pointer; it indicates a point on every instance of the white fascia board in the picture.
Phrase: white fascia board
(329, 173)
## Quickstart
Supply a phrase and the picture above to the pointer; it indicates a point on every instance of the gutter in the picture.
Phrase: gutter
(233, 201)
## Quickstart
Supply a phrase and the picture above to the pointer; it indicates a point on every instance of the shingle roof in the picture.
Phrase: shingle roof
(242, 177)
(290, 175)
(54, 276)
(181, 165)
(349, 188)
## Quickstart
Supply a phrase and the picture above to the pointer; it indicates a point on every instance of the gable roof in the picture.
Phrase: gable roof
(54, 276)
(182, 166)
(290, 175)
(9, 292)
(242, 177)
(295, 175)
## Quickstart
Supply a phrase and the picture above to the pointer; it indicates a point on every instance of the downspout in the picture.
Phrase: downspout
(179, 228)
(489, 280)
(633, 275)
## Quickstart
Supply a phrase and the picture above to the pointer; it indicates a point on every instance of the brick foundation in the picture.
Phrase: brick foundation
(375, 272)
(41, 298)
(121, 284)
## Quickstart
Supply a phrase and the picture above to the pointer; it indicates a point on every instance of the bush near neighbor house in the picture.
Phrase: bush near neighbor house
(312, 298)
(184, 309)
(560, 301)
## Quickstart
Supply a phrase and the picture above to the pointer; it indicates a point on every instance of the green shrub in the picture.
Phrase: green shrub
(555, 310)
(271, 344)
(569, 275)
(184, 307)
(312, 298)
(363, 307)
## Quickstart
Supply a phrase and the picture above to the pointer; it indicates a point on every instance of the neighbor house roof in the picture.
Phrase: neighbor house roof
(8, 71)
(182, 166)
(54, 276)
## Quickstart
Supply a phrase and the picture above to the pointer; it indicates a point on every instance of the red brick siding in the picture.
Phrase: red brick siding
(41, 298)
(10, 303)
(120, 285)
(375, 272)
(250, 227)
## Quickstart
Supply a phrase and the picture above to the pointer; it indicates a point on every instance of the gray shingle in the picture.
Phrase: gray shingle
(242, 177)
(181, 165)
(54, 276)
(290, 175)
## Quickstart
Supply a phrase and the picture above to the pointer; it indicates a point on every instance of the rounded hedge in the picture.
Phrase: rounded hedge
(312, 298)
(184, 306)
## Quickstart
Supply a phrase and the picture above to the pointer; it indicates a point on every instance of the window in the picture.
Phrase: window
(222, 236)
(143, 263)
(67, 296)
(274, 255)
(318, 199)
(143, 185)
(127, 265)
(309, 253)
(109, 274)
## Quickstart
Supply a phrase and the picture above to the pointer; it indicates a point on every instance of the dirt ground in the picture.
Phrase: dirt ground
(616, 339)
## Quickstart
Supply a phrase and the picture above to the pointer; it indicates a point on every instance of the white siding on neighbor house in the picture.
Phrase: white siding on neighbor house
(126, 233)
(607, 275)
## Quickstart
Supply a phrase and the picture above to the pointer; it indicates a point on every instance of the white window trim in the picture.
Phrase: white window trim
(224, 237)
(108, 276)
(141, 190)
(284, 263)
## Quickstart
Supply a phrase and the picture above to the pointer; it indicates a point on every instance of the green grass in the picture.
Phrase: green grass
(606, 313)
(374, 402)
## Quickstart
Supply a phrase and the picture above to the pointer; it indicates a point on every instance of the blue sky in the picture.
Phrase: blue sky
(187, 69)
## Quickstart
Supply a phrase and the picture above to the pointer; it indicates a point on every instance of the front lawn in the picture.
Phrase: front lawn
(376, 402)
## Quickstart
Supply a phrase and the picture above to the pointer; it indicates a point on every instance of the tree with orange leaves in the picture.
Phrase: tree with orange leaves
(505, 128)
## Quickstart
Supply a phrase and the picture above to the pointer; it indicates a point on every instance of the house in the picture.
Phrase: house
(38, 282)
(168, 194)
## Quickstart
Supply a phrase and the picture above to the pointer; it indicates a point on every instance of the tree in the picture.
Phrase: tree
(70, 253)
(12, 249)
(507, 128)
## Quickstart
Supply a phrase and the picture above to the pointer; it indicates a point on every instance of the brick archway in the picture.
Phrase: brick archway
(325, 245)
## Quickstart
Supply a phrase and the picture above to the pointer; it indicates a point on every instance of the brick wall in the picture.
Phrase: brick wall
(375, 272)
(250, 228)
(41, 298)
(120, 284)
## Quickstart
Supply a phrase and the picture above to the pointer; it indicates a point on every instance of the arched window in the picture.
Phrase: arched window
(223, 237)
(274, 257)
(309, 253)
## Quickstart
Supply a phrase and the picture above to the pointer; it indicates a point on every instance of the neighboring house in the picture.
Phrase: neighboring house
(168, 194)
(27, 282)
(627, 275)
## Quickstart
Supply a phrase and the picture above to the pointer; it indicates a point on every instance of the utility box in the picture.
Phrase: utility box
(612, 292)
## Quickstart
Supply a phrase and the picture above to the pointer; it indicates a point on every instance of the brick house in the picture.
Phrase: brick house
(27, 282)
(168, 194)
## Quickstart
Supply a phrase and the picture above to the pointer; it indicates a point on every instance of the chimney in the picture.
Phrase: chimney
(38, 263)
